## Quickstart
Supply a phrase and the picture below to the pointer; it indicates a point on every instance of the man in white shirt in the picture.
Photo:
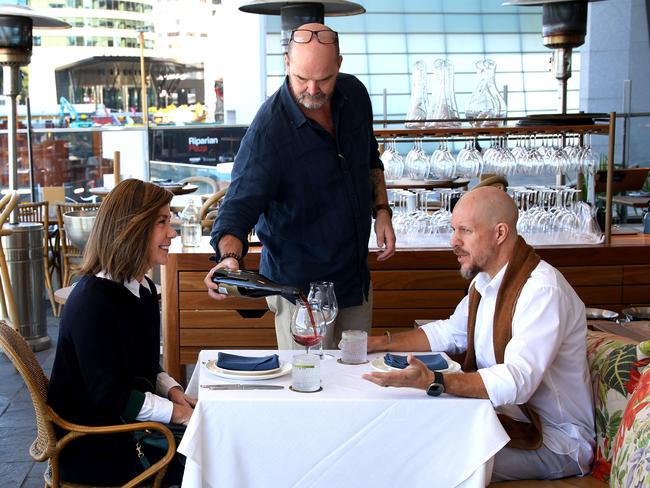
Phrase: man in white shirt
(534, 369)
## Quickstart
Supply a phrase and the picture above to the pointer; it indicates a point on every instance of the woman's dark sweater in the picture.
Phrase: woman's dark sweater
(107, 357)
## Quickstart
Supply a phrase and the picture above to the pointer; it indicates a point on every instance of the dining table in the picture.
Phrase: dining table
(638, 330)
(349, 433)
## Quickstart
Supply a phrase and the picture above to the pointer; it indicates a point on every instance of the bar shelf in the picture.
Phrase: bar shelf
(553, 126)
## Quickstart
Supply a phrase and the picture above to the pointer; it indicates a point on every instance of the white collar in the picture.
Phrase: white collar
(483, 283)
(133, 286)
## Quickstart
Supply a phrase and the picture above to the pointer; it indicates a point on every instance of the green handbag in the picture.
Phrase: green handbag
(156, 440)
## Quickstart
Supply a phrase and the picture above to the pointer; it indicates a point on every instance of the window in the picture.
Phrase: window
(381, 46)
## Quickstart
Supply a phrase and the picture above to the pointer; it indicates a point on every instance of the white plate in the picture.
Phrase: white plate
(249, 373)
(212, 367)
(380, 365)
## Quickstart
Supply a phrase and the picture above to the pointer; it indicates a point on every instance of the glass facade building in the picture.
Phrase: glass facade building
(381, 46)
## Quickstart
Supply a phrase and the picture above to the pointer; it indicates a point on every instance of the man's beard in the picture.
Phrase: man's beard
(470, 272)
(313, 102)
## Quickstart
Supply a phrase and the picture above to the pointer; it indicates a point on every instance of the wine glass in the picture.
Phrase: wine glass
(323, 293)
(308, 324)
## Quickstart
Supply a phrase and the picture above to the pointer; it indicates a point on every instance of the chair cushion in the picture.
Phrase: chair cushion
(631, 456)
(615, 368)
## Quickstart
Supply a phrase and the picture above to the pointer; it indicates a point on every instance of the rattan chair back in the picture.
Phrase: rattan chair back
(7, 303)
(46, 446)
(24, 360)
(207, 214)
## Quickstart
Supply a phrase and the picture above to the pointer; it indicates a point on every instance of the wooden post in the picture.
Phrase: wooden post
(116, 167)
(610, 176)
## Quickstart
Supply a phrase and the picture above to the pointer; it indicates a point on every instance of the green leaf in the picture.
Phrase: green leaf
(617, 370)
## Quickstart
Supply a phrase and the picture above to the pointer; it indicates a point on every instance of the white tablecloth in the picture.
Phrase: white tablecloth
(352, 433)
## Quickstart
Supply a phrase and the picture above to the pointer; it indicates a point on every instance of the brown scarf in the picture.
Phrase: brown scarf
(523, 435)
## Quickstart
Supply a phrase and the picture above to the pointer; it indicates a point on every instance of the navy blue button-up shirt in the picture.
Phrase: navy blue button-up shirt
(308, 193)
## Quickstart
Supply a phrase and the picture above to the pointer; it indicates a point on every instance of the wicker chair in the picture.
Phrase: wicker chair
(7, 303)
(46, 446)
(38, 212)
(208, 211)
(70, 255)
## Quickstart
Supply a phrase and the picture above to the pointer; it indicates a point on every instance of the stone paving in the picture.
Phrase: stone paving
(17, 422)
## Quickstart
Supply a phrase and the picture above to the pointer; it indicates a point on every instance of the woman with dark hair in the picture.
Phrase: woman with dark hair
(107, 365)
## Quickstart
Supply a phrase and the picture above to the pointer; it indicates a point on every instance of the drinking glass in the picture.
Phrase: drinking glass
(323, 293)
(308, 324)
(416, 165)
(442, 162)
(393, 162)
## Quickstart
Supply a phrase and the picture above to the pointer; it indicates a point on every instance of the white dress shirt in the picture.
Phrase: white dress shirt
(545, 362)
(156, 407)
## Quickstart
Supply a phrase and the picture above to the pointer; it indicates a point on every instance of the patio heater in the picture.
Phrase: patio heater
(24, 246)
(564, 27)
(294, 13)
(16, 24)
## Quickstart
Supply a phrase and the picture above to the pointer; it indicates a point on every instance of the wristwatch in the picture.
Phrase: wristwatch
(436, 388)
(382, 206)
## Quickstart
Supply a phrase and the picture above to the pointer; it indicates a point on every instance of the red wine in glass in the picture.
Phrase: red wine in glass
(308, 328)
(307, 340)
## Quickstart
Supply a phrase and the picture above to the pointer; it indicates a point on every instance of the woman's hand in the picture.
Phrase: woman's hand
(181, 414)
(178, 396)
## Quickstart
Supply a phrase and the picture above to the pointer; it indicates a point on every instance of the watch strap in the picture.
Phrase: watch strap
(382, 206)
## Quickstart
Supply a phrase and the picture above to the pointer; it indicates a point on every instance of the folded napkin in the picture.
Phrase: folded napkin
(247, 363)
(433, 361)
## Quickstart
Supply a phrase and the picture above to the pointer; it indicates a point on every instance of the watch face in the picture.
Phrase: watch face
(435, 389)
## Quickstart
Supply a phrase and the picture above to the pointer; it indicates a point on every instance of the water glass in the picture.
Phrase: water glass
(190, 234)
(305, 373)
(354, 346)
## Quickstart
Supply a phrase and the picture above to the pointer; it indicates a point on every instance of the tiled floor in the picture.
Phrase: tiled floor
(17, 423)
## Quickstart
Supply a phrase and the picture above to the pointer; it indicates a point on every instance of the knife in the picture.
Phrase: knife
(240, 386)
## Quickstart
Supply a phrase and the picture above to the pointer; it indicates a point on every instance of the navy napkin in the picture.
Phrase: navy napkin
(433, 361)
(247, 363)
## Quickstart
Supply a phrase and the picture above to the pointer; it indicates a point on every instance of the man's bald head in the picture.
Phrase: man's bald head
(325, 49)
(490, 206)
(485, 231)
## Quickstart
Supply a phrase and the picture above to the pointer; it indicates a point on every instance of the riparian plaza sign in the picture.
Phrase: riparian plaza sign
(195, 144)
(201, 144)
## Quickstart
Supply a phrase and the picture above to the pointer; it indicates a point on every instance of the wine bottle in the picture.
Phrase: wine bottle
(249, 284)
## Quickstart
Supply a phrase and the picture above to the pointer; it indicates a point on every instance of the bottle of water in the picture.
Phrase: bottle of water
(190, 225)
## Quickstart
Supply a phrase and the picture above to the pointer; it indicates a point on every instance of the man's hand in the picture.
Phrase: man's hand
(230, 263)
(385, 235)
(416, 375)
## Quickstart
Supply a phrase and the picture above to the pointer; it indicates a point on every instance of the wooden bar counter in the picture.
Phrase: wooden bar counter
(413, 284)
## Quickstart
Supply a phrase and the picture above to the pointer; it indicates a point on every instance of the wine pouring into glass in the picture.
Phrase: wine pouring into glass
(308, 324)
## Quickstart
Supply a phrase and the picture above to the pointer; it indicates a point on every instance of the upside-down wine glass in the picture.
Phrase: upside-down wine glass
(323, 293)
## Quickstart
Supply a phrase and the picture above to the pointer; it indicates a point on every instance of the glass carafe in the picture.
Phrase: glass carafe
(486, 101)
(417, 110)
(443, 99)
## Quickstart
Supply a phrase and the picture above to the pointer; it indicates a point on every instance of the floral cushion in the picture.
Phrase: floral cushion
(631, 461)
(615, 367)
